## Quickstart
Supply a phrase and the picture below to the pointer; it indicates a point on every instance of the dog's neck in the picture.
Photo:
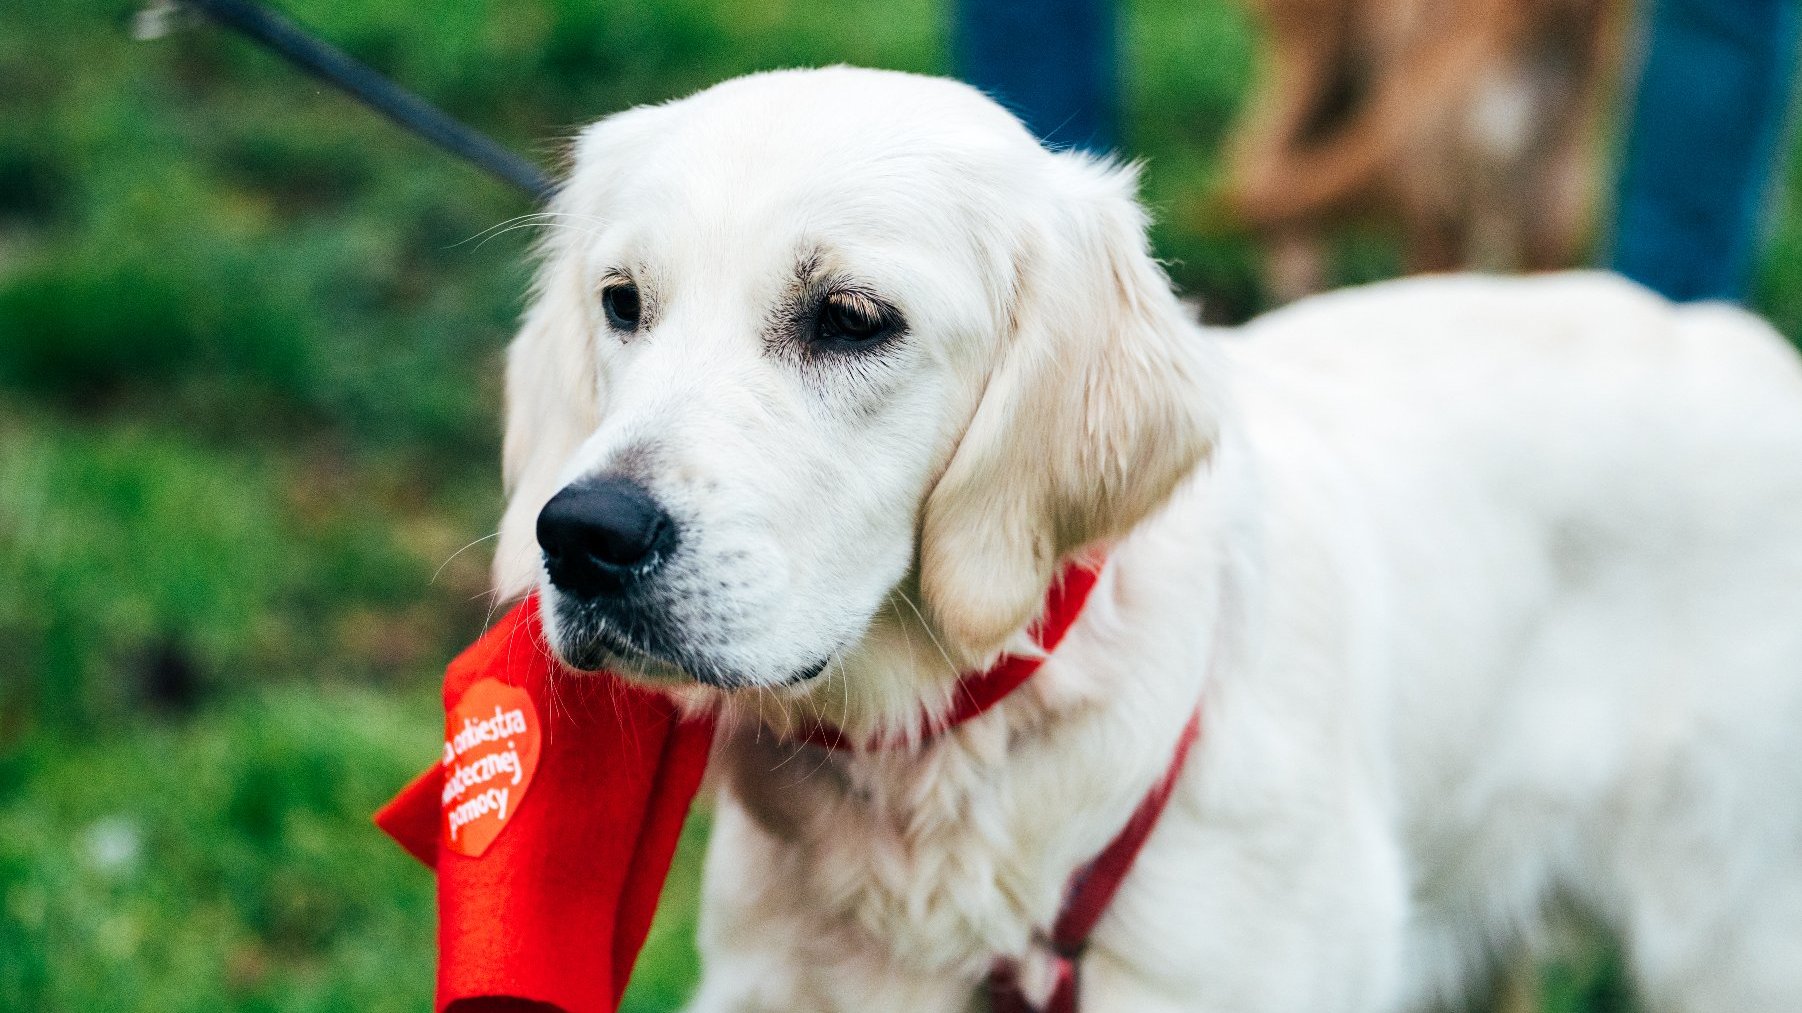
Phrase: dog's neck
(1057, 767)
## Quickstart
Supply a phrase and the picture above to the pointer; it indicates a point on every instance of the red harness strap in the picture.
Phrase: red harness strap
(1090, 892)
(1093, 886)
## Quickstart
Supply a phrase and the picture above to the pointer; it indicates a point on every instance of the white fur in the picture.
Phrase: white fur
(1490, 590)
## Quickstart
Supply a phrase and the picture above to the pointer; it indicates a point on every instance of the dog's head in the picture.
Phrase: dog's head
(807, 337)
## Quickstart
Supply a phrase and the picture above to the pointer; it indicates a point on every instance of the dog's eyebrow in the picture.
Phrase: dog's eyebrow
(812, 272)
(809, 263)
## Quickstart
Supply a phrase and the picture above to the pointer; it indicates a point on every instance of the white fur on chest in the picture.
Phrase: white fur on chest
(926, 852)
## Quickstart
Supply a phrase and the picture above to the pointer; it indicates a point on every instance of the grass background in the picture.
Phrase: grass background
(248, 391)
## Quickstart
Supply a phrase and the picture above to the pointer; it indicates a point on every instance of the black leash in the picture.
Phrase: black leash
(362, 82)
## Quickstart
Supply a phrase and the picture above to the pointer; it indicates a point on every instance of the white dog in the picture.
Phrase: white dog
(1490, 591)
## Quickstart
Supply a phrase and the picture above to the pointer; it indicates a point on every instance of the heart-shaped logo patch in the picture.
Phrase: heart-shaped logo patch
(490, 751)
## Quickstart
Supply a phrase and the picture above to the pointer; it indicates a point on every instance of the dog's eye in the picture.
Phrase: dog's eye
(620, 300)
(851, 320)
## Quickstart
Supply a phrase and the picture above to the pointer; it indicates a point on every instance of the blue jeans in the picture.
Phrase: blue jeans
(1051, 62)
(1703, 146)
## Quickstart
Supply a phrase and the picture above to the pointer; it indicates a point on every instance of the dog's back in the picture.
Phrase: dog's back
(1573, 512)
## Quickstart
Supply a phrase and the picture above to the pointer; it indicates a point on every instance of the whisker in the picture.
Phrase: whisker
(531, 225)
(950, 666)
(524, 221)
(499, 225)
(459, 552)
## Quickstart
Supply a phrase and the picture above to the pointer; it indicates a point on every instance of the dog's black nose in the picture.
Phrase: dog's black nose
(600, 536)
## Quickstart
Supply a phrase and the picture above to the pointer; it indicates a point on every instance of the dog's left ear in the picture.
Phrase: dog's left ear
(1100, 402)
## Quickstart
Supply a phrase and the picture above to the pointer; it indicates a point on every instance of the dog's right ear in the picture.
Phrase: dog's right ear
(552, 389)
(1103, 400)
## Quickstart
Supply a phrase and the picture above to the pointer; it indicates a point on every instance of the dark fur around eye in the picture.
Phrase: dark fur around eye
(851, 321)
(620, 300)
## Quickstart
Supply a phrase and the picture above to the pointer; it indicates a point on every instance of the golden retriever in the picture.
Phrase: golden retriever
(1488, 589)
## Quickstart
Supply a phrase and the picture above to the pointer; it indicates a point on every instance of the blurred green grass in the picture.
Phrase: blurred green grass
(248, 388)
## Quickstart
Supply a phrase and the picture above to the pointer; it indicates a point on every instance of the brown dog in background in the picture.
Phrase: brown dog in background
(1466, 125)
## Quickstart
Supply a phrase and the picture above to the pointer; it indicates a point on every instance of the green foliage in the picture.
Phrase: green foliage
(123, 543)
(665, 975)
(248, 346)
(222, 862)
(1778, 293)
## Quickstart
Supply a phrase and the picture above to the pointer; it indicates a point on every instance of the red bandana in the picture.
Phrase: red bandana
(551, 820)
(553, 815)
